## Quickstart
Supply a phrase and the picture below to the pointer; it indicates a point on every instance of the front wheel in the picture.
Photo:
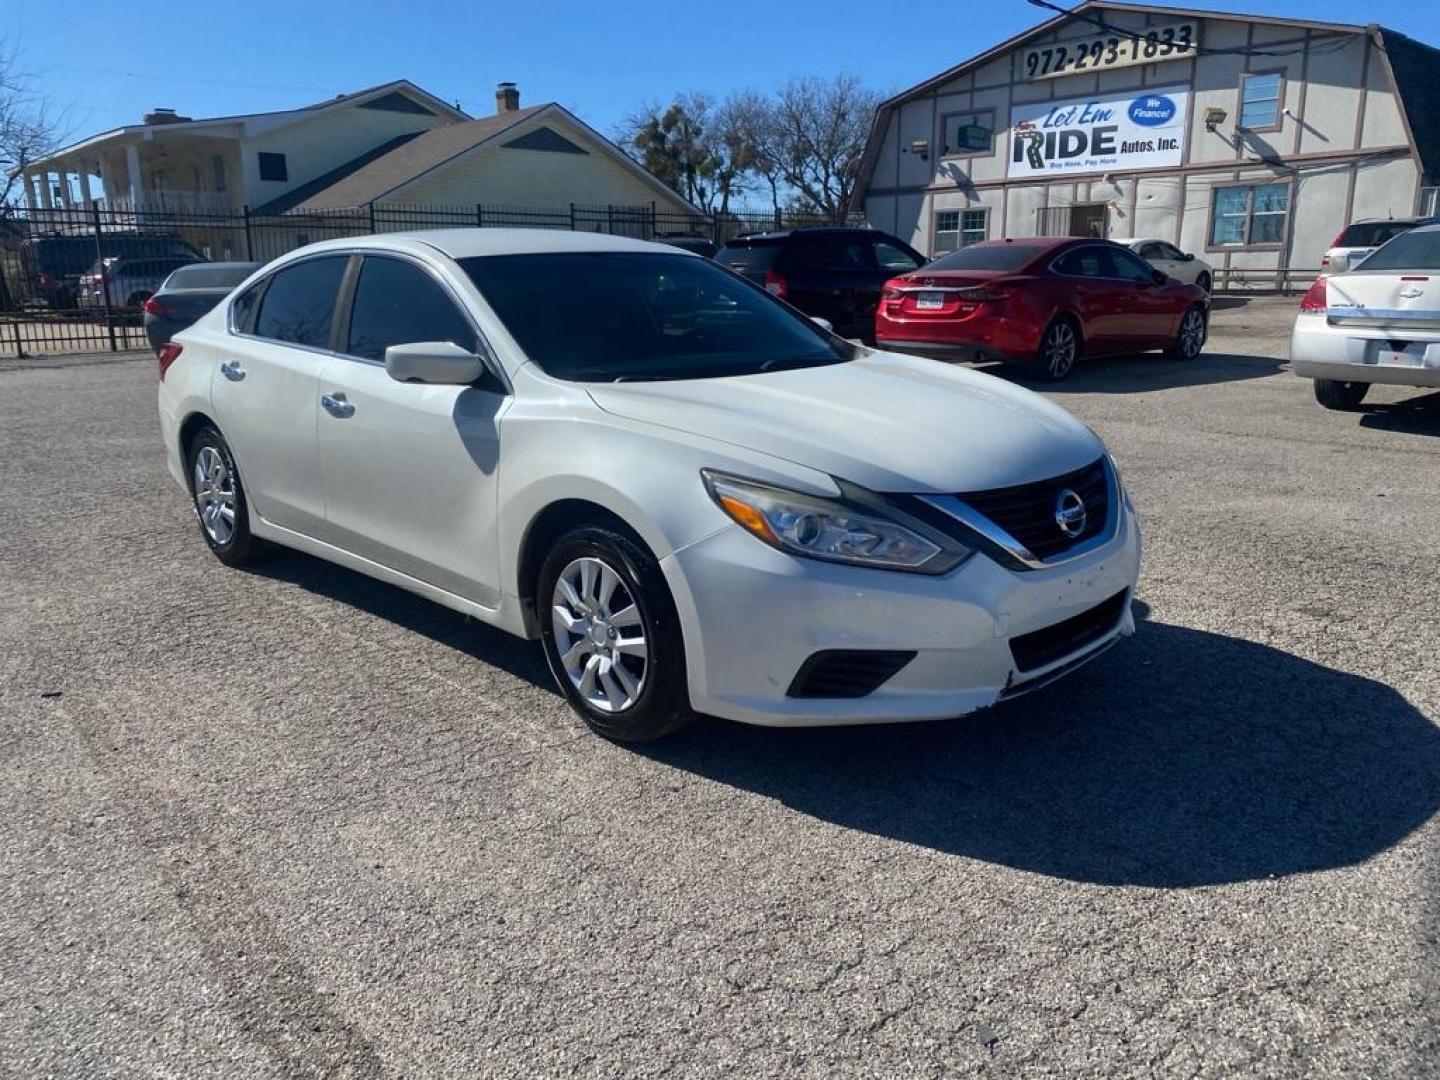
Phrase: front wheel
(1190, 338)
(1059, 349)
(1203, 281)
(612, 637)
(1344, 396)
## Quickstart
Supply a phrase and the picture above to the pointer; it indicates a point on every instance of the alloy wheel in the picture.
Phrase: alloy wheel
(1059, 351)
(215, 495)
(1192, 334)
(599, 635)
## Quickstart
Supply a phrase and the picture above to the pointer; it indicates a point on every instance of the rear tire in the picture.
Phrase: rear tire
(612, 636)
(1190, 337)
(221, 509)
(1341, 396)
(1060, 348)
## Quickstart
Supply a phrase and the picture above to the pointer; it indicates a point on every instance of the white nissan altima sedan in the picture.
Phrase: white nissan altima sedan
(699, 500)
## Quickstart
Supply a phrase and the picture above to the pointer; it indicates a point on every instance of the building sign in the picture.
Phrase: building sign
(1106, 133)
(1106, 51)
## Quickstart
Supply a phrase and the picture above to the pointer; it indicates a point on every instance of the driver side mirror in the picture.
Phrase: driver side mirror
(824, 324)
(1159, 277)
(1187, 256)
(440, 363)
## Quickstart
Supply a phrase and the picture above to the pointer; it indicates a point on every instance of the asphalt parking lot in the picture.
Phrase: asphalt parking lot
(296, 823)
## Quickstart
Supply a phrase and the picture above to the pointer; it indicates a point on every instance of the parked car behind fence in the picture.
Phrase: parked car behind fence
(126, 282)
(51, 266)
(188, 293)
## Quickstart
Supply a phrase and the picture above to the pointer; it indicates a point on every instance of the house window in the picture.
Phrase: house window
(272, 167)
(968, 133)
(1260, 96)
(1250, 215)
(959, 228)
(217, 166)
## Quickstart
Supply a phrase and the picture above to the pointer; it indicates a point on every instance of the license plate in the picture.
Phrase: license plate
(929, 301)
(1399, 353)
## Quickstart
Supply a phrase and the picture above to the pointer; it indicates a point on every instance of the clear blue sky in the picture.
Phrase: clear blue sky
(107, 62)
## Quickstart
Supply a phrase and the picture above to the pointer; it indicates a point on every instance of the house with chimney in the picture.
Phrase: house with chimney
(393, 144)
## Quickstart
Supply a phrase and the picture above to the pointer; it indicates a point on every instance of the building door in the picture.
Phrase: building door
(1088, 220)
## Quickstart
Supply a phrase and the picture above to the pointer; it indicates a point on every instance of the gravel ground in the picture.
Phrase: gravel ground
(295, 823)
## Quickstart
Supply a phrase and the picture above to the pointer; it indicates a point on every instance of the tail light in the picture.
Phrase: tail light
(154, 307)
(775, 284)
(169, 353)
(1315, 300)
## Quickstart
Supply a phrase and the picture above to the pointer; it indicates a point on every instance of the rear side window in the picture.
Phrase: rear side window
(1086, 262)
(748, 258)
(831, 253)
(300, 303)
(985, 257)
(399, 304)
(242, 311)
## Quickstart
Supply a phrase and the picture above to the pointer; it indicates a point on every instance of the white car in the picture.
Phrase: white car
(1377, 324)
(1167, 258)
(698, 499)
(1354, 243)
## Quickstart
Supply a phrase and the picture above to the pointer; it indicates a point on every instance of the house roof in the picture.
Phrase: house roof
(384, 172)
(396, 87)
(1418, 85)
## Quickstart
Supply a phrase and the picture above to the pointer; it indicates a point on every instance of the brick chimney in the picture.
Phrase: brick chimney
(507, 98)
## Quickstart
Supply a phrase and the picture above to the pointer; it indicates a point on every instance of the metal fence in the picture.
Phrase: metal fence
(75, 280)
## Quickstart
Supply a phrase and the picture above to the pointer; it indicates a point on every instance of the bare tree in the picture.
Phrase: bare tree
(692, 146)
(750, 117)
(818, 130)
(27, 130)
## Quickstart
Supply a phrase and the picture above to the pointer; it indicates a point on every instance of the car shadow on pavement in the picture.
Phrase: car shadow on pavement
(1145, 372)
(522, 659)
(1413, 416)
(1181, 758)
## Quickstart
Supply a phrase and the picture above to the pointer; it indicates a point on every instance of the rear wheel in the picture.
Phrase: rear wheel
(612, 637)
(1059, 349)
(1344, 396)
(1190, 338)
(220, 505)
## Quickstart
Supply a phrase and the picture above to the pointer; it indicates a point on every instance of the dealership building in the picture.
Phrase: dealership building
(1247, 140)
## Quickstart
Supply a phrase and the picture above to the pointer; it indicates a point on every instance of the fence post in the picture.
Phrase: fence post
(104, 284)
(249, 250)
(653, 225)
(610, 219)
(371, 207)
(572, 217)
(19, 344)
(479, 216)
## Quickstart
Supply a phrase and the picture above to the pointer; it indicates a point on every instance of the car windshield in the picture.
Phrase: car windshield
(209, 276)
(1416, 250)
(619, 316)
(1372, 233)
(985, 257)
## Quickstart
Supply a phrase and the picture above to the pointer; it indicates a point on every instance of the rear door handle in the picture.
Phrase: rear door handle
(336, 405)
(232, 371)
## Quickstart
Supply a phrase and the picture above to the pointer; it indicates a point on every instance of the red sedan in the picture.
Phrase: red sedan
(1044, 301)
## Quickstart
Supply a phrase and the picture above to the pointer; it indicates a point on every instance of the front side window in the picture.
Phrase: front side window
(967, 133)
(1260, 100)
(821, 254)
(894, 260)
(1250, 215)
(955, 229)
(300, 303)
(619, 317)
(1128, 267)
(399, 304)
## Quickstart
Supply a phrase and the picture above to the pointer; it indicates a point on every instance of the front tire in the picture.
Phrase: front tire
(1059, 349)
(1190, 338)
(1204, 281)
(221, 508)
(611, 635)
(1341, 396)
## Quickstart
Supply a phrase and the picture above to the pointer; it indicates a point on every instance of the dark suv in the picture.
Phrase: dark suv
(54, 264)
(834, 273)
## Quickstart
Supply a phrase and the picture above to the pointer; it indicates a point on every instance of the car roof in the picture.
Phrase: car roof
(472, 242)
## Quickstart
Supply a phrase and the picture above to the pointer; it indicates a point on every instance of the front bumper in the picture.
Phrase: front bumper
(765, 613)
(1319, 350)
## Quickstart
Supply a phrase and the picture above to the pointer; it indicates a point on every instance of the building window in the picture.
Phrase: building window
(1252, 215)
(959, 228)
(272, 167)
(968, 133)
(1260, 96)
(217, 166)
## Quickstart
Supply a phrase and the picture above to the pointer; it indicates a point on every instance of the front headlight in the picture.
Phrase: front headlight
(856, 529)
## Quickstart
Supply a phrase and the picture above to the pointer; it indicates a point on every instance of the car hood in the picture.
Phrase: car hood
(888, 422)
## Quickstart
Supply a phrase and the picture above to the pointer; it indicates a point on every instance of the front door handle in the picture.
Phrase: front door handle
(232, 371)
(336, 405)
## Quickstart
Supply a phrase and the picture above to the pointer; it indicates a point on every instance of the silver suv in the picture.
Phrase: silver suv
(129, 279)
